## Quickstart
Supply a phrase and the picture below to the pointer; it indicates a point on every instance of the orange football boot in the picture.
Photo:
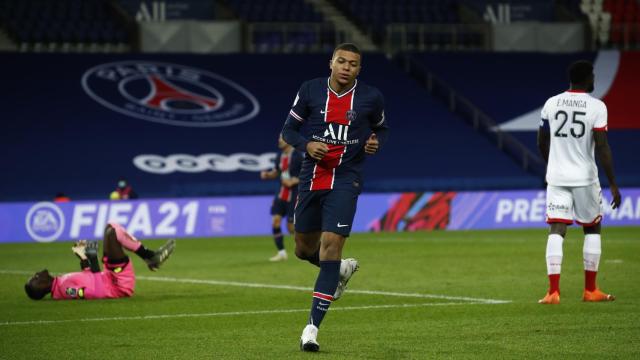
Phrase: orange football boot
(550, 298)
(596, 296)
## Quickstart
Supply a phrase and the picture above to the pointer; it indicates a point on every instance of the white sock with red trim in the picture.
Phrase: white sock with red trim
(554, 254)
(591, 251)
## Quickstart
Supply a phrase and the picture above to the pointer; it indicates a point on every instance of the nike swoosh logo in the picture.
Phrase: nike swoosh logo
(324, 112)
(342, 225)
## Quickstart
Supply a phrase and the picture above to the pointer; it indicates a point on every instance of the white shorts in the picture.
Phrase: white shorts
(582, 203)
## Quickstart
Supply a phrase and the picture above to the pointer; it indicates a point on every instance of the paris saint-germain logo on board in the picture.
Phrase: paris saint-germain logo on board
(170, 94)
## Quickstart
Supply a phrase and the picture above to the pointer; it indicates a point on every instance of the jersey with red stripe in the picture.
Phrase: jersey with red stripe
(571, 118)
(289, 166)
(343, 122)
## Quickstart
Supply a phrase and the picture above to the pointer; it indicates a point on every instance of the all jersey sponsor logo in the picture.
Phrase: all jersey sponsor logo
(339, 132)
(170, 94)
(44, 222)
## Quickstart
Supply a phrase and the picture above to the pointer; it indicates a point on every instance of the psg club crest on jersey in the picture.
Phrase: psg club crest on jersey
(351, 115)
(170, 94)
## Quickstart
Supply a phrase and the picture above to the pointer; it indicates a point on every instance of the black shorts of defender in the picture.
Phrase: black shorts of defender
(326, 210)
(283, 208)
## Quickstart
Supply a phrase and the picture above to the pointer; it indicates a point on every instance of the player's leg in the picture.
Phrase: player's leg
(118, 278)
(338, 211)
(116, 238)
(559, 215)
(278, 238)
(308, 223)
(290, 226)
(111, 247)
(589, 215)
(278, 210)
(291, 213)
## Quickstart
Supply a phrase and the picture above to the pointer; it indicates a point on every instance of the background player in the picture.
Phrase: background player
(340, 114)
(287, 169)
(115, 281)
(573, 125)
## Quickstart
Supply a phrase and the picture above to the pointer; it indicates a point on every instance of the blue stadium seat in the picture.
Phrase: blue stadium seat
(58, 21)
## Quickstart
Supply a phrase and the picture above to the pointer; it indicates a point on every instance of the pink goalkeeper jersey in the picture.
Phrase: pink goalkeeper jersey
(78, 285)
(88, 285)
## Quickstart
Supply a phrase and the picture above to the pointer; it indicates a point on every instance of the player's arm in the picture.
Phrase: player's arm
(379, 128)
(291, 135)
(291, 132)
(269, 175)
(78, 250)
(544, 139)
(290, 182)
(294, 170)
(87, 252)
(605, 159)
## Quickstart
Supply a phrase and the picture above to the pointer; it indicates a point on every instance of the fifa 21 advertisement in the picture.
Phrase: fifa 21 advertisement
(244, 216)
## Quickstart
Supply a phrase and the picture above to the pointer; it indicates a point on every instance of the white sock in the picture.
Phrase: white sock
(282, 252)
(554, 254)
(591, 251)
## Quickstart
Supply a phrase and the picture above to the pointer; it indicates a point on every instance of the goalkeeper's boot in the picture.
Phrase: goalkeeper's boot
(308, 339)
(550, 298)
(161, 255)
(596, 296)
(347, 268)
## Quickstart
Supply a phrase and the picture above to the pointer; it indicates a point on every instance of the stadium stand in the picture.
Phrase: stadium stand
(303, 27)
(275, 11)
(83, 146)
(613, 23)
(40, 23)
(508, 86)
(378, 18)
(433, 146)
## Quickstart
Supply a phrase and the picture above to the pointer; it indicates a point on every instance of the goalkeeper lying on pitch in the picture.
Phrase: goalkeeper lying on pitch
(115, 281)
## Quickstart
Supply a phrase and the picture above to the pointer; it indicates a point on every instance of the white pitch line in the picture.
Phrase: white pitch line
(302, 288)
(231, 313)
(298, 288)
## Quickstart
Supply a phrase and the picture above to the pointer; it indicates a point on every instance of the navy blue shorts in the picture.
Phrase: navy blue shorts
(326, 210)
(283, 208)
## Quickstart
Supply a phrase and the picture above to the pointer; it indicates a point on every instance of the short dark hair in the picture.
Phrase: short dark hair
(33, 292)
(580, 71)
(348, 47)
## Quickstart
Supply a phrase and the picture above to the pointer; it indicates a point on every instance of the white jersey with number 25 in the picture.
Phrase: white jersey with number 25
(572, 117)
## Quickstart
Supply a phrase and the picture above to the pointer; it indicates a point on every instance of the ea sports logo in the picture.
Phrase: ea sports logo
(45, 222)
(170, 94)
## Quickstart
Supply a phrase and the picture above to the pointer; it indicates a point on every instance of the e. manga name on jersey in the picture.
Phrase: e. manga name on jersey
(572, 103)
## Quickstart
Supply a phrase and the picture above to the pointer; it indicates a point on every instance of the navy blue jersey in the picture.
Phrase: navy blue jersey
(288, 165)
(344, 122)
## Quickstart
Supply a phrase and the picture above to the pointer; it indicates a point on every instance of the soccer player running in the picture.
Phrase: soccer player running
(344, 119)
(115, 281)
(287, 169)
(573, 125)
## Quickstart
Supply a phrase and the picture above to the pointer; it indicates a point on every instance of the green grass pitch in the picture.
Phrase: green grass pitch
(458, 294)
